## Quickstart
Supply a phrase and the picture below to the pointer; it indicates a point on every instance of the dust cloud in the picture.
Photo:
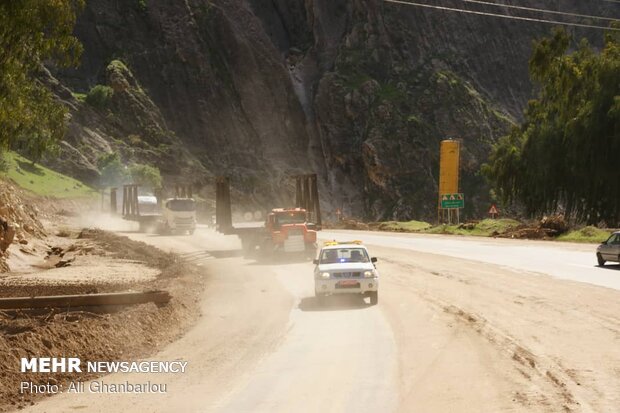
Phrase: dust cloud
(104, 221)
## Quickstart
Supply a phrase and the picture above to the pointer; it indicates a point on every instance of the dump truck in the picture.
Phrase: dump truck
(177, 214)
(285, 231)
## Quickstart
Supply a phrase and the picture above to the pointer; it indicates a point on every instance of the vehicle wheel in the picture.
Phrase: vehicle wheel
(600, 260)
(246, 247)
(266, 250)
(374, 297)
(191, 231)
(311, 252)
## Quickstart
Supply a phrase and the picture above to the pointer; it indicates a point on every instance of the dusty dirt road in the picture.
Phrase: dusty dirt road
(449, 334)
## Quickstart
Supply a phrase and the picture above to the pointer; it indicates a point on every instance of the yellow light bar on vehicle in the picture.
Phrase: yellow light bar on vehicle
(334, 242)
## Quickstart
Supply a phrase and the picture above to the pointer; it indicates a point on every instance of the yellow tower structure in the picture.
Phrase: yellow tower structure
(449, 156)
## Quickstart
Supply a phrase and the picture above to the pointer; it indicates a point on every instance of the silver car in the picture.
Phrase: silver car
(609, 250)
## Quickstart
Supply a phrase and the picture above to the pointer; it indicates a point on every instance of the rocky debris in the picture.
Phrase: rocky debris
(89, 233)
(347, 224)
(64, 233)
(548, 227)
(55, 258)
(85, 248)
(18, 222)
(19, 213)
(468, 225)
(28, 250)
(7, 234)
(555, 224)
(129, 333)
(526, 232)
(63, 257)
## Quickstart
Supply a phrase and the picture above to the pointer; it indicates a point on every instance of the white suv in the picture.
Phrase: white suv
(346, 268)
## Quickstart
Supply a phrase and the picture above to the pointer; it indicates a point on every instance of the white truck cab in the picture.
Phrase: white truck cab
(346, 268)
(179, 214)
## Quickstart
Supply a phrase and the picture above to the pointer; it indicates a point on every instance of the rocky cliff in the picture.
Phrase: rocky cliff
(359, 91)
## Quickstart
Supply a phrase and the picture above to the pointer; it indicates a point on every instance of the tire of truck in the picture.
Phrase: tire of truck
(374, 297)
(248, 246)
(164, 229)
(311, 251)
(266, 250)
(320, 298)
(600, 260)
(191, 231)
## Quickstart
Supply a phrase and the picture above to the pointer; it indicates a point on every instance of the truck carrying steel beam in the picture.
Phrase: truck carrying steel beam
(286, 230)
(176, 214)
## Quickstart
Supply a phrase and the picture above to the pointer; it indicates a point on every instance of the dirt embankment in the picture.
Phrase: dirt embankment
(19, 222)
(92, 334)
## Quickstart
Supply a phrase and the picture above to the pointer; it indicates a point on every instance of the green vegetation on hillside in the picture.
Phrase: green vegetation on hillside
(79, 96)
(407, 226)
(145, 175)
(490, 226)
(483, 228)
(114, 173)
(99, 96)
(31, 32)
(588, 234)
(43, 181)
(565, 154)
(487, 228)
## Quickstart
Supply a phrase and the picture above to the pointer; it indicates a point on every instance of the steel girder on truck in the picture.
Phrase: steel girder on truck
(286, 231)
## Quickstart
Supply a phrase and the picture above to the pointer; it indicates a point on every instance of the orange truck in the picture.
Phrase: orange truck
(286, 231)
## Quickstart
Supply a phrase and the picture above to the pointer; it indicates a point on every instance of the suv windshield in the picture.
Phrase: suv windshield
(290, 218)
(336, 255)
(181, 205)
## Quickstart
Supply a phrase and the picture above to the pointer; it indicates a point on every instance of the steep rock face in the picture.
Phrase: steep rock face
(360, 91)
(491, 53)
(218, 80)
(128, 123)
(387, 137)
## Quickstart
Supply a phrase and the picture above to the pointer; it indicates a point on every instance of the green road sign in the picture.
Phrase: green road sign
(452, 201)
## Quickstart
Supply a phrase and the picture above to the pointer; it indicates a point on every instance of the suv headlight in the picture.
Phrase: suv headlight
(325, 275)
(369, 274)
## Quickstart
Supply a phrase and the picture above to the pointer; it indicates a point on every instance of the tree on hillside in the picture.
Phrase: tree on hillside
(565, 156)
(33, 32)
(145, 176)
(113, 173)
